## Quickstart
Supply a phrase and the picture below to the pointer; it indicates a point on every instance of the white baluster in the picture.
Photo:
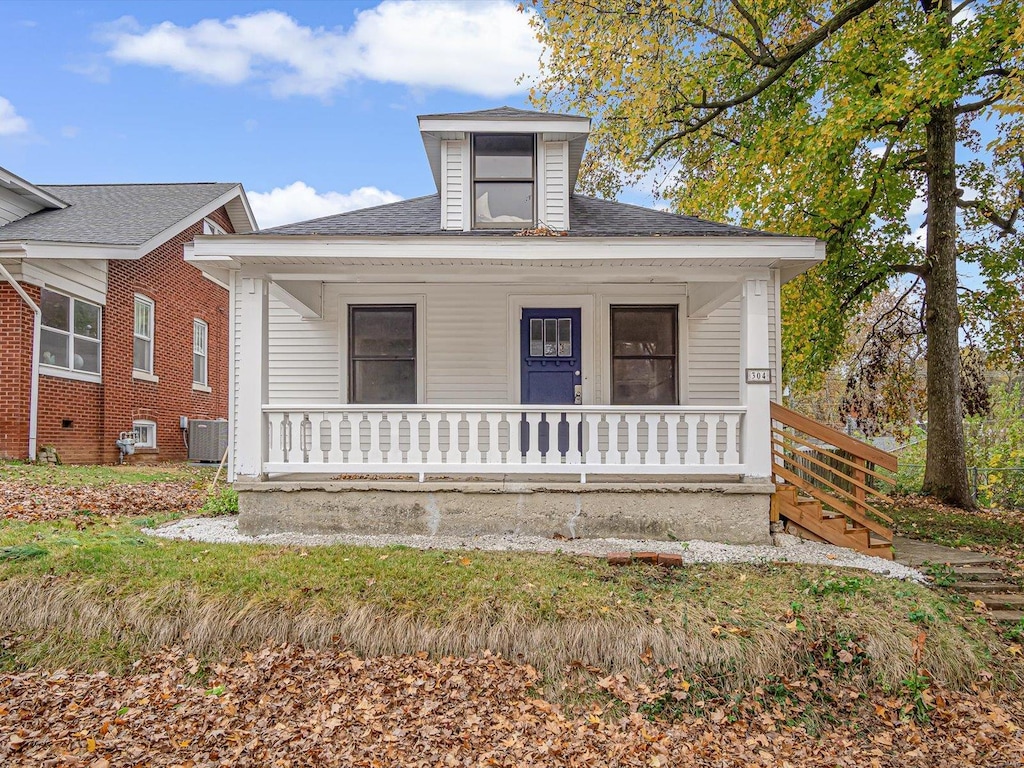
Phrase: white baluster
(394, 452)
(573, 421)
(632, 448)
(732, 453)
(672, 443)
(434, 437)
(614, 421)
(651, 455)
(533, 453)
(275, 445)
(373, 452)
(692, 456)
(592, 436)
(416, 427)
(473, 452)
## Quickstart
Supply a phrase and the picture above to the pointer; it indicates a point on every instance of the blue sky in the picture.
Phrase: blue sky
(283, 96)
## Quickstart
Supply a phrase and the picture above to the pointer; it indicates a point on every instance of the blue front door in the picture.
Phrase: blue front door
(551, 361)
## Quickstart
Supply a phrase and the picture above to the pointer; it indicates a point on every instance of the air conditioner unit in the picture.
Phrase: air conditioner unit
(207, 439)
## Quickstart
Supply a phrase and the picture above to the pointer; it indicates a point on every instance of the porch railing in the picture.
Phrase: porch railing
(494, 439)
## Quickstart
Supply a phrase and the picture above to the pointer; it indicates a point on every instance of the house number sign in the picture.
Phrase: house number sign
(759, 375)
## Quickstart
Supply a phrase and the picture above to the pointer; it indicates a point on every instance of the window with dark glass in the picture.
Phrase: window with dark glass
(644, 355)
(70, 334)
(382, 354)
(503, 181)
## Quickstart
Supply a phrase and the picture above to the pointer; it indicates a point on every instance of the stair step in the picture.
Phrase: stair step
(985, 586)
(975, 572)
(1011, 617)
(1007, 601)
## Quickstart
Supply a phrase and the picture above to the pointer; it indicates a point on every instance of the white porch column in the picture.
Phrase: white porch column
(757, 426)
(251, 376)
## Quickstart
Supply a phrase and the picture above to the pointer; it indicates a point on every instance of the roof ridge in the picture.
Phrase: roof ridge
(149, 184)
(354, 210)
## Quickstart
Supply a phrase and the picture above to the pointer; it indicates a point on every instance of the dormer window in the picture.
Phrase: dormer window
(503, 181)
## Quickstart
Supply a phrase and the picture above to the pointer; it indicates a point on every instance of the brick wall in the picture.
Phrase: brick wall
(15, 370)
(83, 419)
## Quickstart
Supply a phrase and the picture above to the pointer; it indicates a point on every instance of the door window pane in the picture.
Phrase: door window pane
(550, 338)
(536, 337)
(565, 337)
(644, 355)
(382, 354)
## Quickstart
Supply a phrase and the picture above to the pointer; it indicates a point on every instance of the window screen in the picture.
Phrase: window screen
(382, 354)
(644, 355)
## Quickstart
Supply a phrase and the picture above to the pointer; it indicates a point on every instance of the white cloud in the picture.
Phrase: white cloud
(10, 121)
(299, 202)
(70, 131)
(475, 47)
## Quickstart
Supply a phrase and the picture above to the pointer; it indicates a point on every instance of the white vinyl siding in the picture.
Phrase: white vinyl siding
(200, 334)
(713, 364)
(469, 346)
(142, 346)
(305, 363)
(554, 184)
(453, 184)
(13, 206)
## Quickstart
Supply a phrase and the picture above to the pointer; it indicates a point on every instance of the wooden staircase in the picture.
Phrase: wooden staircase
(827, 483)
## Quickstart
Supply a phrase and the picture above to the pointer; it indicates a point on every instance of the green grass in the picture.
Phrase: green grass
(957, 528)
(107, 594)
(100, 475)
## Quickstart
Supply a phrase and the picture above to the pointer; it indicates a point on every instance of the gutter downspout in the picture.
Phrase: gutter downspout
(33, 397)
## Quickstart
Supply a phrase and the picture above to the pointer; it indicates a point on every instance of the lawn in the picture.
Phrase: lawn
(160, 638)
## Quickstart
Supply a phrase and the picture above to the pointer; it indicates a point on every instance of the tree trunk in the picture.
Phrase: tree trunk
(945, 475)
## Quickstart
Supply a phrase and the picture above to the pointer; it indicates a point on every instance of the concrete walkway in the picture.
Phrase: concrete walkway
(979, 576)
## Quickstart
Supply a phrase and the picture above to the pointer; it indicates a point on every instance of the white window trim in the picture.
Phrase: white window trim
(70, 372)
(143, 376)
(151, 426)
(211, 227)
(201, 388)
(417, 300)
(63, 373)
(147, 375)
(196, 323)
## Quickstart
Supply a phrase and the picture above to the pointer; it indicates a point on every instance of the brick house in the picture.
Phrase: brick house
(104, 328)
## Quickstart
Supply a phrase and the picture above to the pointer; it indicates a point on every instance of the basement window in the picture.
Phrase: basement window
(503, 181)
(145, 434)
(70, 334)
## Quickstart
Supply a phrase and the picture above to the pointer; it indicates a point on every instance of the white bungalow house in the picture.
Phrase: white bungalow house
(506, 355)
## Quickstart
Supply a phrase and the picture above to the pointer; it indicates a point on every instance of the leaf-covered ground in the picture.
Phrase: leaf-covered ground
(290, 707)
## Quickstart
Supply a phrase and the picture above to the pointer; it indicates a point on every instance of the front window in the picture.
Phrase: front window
(382, 354)
(644, 355)
(142, 355)
(70, 334)
(503, 181)
(199, 334)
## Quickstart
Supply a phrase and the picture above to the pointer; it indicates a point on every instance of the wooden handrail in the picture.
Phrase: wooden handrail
(790, 437)
(835, 496)
(840, 440)
(784, 444)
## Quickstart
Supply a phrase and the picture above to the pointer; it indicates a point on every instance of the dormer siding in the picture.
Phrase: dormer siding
(455, 204)
(553, 185)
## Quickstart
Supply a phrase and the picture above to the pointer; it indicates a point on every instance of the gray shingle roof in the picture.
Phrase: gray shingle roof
(113, 214)
(502, 113)
(588, 217)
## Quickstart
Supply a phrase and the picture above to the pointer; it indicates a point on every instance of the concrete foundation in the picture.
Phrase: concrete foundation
(734, 513)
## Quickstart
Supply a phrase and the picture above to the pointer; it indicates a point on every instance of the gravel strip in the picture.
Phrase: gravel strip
(224, 530)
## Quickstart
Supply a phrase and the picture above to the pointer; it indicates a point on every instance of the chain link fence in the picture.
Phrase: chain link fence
(990, 486)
